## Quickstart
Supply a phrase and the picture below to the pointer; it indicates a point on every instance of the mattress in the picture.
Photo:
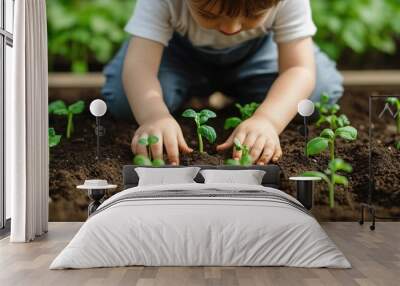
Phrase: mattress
(201, 225)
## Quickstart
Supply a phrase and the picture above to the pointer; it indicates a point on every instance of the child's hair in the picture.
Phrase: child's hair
(234, 8)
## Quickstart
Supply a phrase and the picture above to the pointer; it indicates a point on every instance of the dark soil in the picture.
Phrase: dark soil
(73, 161)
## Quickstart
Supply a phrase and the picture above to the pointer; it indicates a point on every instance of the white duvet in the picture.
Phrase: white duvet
(202, 231)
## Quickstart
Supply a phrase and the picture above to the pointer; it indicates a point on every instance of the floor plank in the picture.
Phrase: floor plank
(375, 257)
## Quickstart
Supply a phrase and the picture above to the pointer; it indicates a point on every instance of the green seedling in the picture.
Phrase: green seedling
(331, 177)
(246, 112)
(203, 130)
(327, 139)
(335, 121)
(54, 139)
(397, 145)
(245, 159)
(394, 101)
(328, 113)
(141, 160)
(58, 107)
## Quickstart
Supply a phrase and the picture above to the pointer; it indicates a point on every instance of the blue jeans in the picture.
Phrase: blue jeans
(245, 72)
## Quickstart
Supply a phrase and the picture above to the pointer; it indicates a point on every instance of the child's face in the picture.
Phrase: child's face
(209, 18)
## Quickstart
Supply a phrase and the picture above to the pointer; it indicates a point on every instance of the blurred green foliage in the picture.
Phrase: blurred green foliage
(81, 31)
(359, 25)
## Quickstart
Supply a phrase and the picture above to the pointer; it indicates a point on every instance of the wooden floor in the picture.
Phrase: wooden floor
(375, 257)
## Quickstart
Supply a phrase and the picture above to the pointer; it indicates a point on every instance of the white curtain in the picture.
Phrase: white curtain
(27, 123)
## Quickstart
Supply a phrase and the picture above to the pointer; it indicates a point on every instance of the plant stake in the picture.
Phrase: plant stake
(305, 108)
(98, 108)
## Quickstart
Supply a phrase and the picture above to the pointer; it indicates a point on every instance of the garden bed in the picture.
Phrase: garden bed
(73, 161)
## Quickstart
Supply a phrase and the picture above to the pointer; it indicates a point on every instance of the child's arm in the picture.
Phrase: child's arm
(295, 82)
(144, 93)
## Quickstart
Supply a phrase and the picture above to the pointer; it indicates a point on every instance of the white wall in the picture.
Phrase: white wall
(9, 25)
(9, 13)
(7, 95)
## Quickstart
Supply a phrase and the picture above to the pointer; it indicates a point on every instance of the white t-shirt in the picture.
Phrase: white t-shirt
(157, 20)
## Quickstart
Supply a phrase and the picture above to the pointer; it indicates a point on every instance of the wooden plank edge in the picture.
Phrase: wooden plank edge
(368, 78)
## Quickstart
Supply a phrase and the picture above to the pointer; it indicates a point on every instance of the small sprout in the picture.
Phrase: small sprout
(245, 159)
(396, 103)
(342, 121)
(327, 140)
(158, 162)
(331, 177)
(142, 160)
(397, 145)
(59, 108)
(327, 112)
(203, 130)
(246, 112)
(54, 139)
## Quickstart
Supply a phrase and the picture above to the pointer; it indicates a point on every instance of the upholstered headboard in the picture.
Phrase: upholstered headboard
(271, 177)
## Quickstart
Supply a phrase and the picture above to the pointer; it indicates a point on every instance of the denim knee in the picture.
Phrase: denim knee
(329, 79)
(174, 89)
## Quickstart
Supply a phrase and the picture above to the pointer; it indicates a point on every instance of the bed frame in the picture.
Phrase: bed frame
(270, 179)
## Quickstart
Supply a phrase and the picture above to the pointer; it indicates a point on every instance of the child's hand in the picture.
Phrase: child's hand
(170, 135)
(259, 134)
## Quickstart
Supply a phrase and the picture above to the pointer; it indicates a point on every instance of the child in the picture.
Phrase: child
(252, 50)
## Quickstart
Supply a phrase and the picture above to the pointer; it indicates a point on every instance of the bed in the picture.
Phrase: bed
(201, 224)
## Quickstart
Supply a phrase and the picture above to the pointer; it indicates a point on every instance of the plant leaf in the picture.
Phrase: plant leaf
(392, 100)
(232, 122)
(232, 162)
(206, 114)
(325, 98)
(79, 66)
(143, 141)
(396, 103)
(316, 174)
(189, 113)
(334, 108)
(238, 145)
(239, 106)
(348, 133)
(324, 110)
(340, 180)
(328, 134)
(57, 105)
(246, 160)
(54, 139)
(332, 120)
(203, 119)
(245, 150)
(343, 121)
(397, 145)
(208, 132)
(52, 132)
(61, 112)
(340, 165)
(152, 140)
(321, 120)
(141, 160)
(248, 110)
(317, 146)
(77, 107)
(158, 162)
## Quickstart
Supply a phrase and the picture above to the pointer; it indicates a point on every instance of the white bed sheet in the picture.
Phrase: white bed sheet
(200, 232)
